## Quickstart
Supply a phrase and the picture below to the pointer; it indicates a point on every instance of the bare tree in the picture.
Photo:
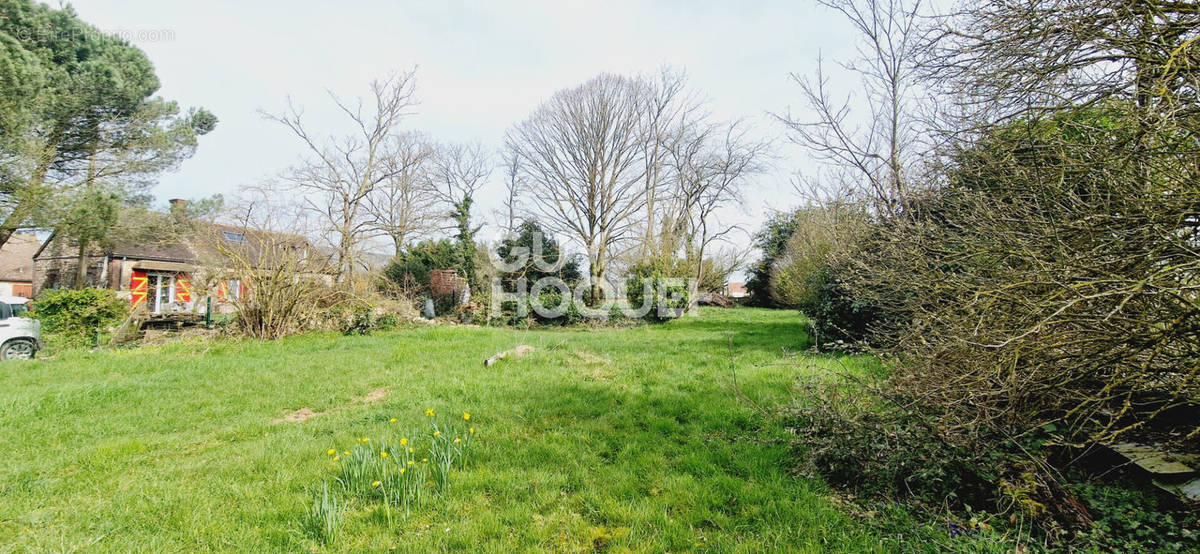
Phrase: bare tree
(877, 151)
(514, 187)
(711, 165)
(340, 175)
(583, 155)
(458, 171)
(403, 207)
(272, 275)
(670, 110)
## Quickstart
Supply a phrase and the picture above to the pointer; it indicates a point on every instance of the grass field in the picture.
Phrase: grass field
(622, 439)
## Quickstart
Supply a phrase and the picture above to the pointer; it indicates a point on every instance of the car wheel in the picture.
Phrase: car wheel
(18, 349)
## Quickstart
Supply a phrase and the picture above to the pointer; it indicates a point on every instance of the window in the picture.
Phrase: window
(234, 286)
(160, 291)
(234, 237)
(19, 310)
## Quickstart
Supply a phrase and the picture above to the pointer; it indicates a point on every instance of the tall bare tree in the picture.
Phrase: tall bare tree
(582, 153)
(403, 207)
(457, 173)
(877, 151)
(514, 187)
(670, 110)
(711, 165)
(339, 175)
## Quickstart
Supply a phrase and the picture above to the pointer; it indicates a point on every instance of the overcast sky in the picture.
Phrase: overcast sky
(480, 68)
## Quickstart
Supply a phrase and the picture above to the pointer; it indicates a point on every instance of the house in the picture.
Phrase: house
(177, 272)
(736, 290)
(16, 265)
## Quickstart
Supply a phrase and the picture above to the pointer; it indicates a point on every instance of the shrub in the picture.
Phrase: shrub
(412, 268)
(363, 315)
(857, 440)
(76, 313)
(286, 290)
(674, 297)
(771, 239)
(533, 239)
(809, 274)
(1051, 283)
(1130, 519)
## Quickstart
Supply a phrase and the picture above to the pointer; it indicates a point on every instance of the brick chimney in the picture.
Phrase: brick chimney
(178, 209)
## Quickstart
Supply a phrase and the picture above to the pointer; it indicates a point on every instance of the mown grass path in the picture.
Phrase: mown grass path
(618, 440)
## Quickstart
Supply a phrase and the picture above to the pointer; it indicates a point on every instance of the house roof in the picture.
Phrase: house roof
(203, 242)
(16, 257)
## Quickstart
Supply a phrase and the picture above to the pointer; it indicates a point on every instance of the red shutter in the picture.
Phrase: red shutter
(137, 287)
(183, 288)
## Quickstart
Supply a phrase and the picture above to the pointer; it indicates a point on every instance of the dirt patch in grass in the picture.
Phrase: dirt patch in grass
(373, 396)
(304, 414)
(297, 416)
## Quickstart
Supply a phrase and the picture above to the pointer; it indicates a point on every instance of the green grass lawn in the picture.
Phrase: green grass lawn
(619, 439)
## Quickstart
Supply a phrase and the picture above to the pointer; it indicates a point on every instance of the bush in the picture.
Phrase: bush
(856, 440)
(650, 276)
(1129, 519)
(1048, 284)
(771, 239)
(868, 440)
(77, 313)
(411, 269)
(838, 318)
(809, 274)
(362, 316)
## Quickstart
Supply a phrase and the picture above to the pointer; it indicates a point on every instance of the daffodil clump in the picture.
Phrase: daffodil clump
(450, 443)
(405, 469)
(325, 514)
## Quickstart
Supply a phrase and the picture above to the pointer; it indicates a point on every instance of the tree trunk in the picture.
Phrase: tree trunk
(694, 288)
(398, 244)
(22, 209)
(597, 275)
(81, 266)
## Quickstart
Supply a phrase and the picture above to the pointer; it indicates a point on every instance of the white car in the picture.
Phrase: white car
(20, 336)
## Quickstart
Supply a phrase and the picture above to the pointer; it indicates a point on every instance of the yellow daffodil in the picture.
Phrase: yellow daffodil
(383, 454)
(423, 460)
(457, 440)
(429, 412)
(376, 484)
(410, 462)
(466, 416)
(366, 439)
(410, 451)
(437, 433)
(346, 453)
(335, 458)
(332, 451)
(393, 420)
(403, 442)
(471, 430)
(401, 471)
